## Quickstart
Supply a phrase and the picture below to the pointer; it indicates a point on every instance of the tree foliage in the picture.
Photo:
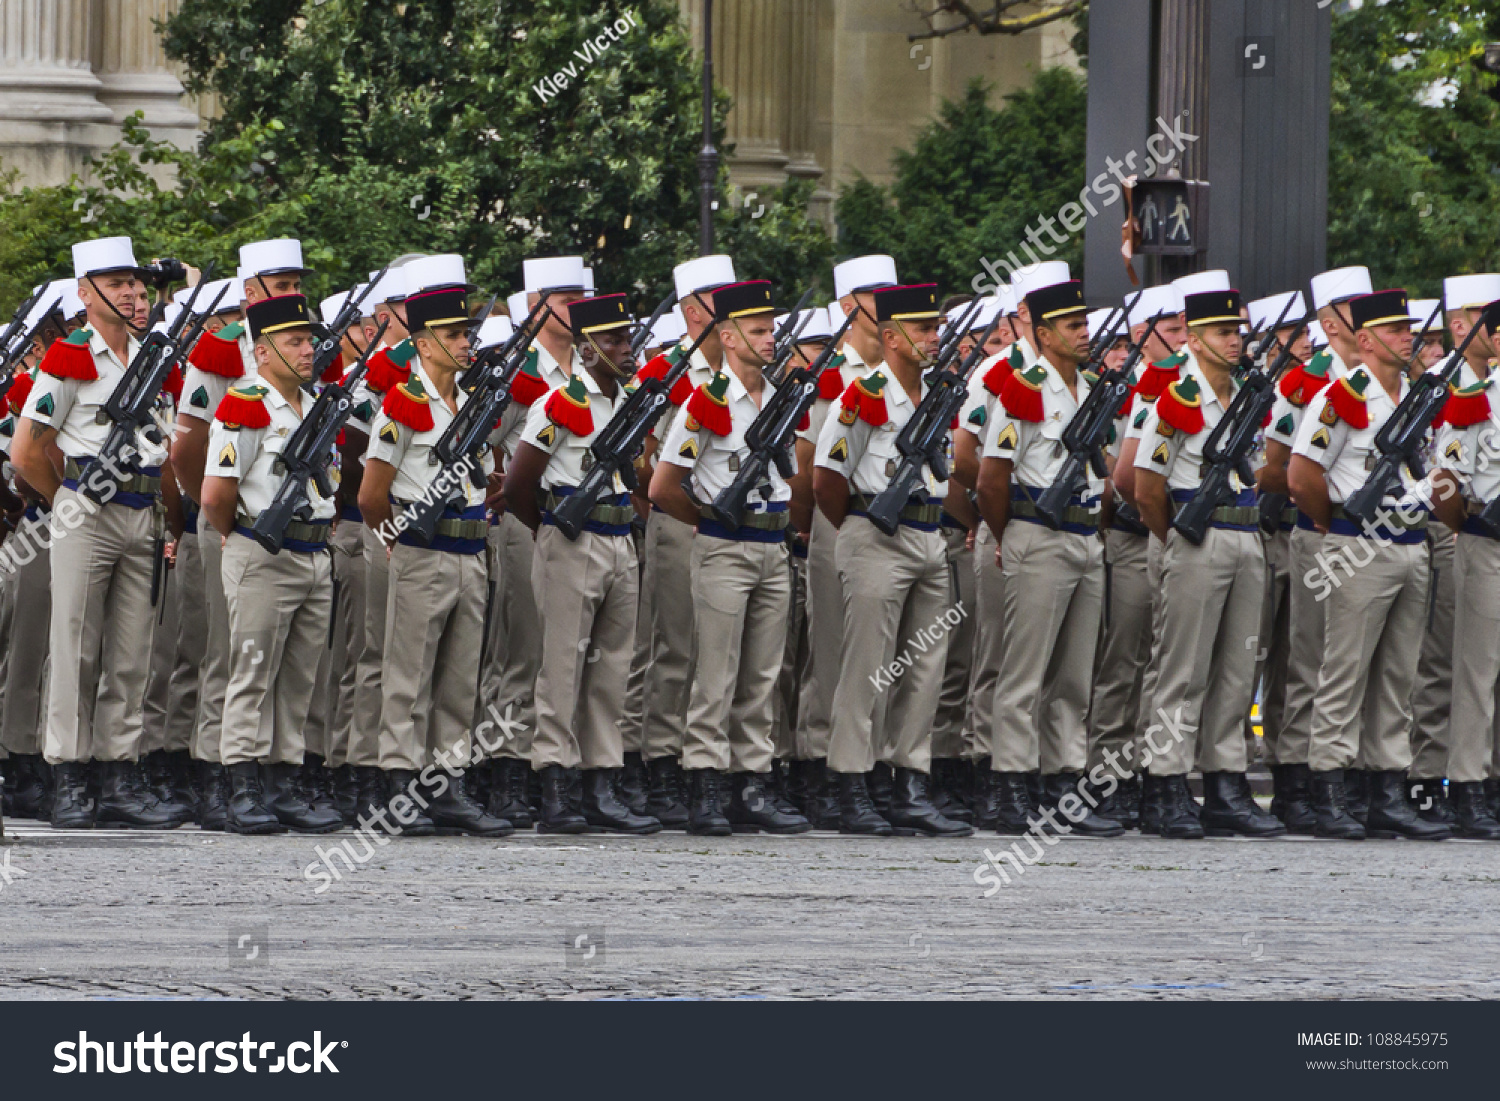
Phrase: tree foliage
(370, 129)
(973, 181)
(1414, 159)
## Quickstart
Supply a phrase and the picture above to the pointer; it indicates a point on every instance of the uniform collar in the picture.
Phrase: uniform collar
(99, 348)
(1191, 366)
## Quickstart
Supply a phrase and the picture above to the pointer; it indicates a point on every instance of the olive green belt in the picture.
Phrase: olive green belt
(1240, 515)
(1073, 514)
(450, 528)
(912, 513)
(136, 483)
(763, 521)
(599, 514)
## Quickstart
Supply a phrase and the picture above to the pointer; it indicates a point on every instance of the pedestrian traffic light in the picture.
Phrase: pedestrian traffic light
(1170, 216)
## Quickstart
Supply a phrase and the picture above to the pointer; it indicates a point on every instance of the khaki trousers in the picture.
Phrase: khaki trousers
(350, 565)
(31, 613)
(1375, 611)
(953, 699)
(633, 713)
(508, 691)
(1054, 592)
(100, 628)
(989, 643)
(279, 606)
(1305, 646)
(1210, 619)
(1124, 647)
(1273, 650)
(430, 674)
(1432, 700)
(896, 624)
(317, 730)
(164, 622)
(213, 680)
(186, 629)
(588, 593)
(742, 595)
(1476, 659)
(825, 633)
(669, 561)
(794, 661)
(365, 748)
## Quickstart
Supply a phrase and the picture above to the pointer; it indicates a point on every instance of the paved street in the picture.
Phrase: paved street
(108, 915)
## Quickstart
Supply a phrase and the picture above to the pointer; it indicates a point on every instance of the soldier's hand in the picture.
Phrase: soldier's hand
(999, 561)
(969, 540)
(169, 552)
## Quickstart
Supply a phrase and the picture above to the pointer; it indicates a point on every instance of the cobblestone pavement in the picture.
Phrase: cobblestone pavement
(190, 915)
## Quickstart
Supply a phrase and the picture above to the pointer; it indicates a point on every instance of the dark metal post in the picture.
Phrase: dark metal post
(708, 156)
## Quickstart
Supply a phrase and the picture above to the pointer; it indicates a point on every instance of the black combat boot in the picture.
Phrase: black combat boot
(945, 790)
(31, 787)
(213, 796)
(705, 803)
(1471, 812)
(1291, 798)
(247, 811)
(1230, 810)
(984, 799)
(401, 783)
(508, 792)
(286, 798)
(879, 781)
(371, 791)
(664, 802)
(820, 804)
(1058, 786)
(454, 811)
(317, 786)
(753, 808)
(1390, 815)
(346, 794)
(913, 812)
(1175, 820)
(778, 789)
(558, 814)
(857, 813)
(1330, 805)
(603, 810)
(72, 806)
(159, 778)
(1356, 799)
(1430, 800)
(126, 803)
(631, 784)
(1492, 797)
(1015, 808)
(1125, 803)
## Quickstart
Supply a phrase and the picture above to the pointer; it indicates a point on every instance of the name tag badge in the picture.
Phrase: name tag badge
(587, 462)
(1370, 461)
(734, 463)
(890, 468)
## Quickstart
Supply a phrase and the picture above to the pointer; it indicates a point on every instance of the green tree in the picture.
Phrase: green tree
(973, 181)
(1414, 157)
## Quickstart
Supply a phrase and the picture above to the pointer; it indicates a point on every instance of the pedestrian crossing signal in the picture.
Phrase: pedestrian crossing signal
(1169, 217)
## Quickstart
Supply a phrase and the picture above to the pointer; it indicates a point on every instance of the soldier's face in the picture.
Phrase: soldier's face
(1115, 357)
(287, 355)
(1301, 347)
(806, 352)
(1219, 344)
(120, 289)
(450, 339)
(753, 339)
(261, 287)
(1002, 336)
(556, 325)
(613, 347)
(395, 319)
(1432, 351)
(1389, 344)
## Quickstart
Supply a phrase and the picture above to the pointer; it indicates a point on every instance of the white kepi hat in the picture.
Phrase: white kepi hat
(1265, 311)
(102, 254)
(275, 257)
(864, 273)
(1153, 302)
(1340, 284)
(391, 288)
(1420, 309)
(703, 273)
(430, 272)
(234, 291)
(495, 330)
(1469, 292)
(552, 273)
(1201, 282)
(817, 327)
(588, 282)
(1032, 277)
(516, 304)
(669, 328)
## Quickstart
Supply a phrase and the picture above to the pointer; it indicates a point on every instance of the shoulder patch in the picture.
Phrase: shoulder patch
(1286, 425)
(199, 400)
(1454, 452)
(45, 405)
(547, 436)
(978, 417)
(1140, 418)
(390, 434)
(689, 449)
(839, 452)
(1008, 438)
(1160, 455)
(1321, 438)
(226, 455)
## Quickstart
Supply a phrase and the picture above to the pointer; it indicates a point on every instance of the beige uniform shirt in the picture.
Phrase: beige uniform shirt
(866, 455)
(1346, 453)
(1174, 454)
(75, 408)
(407, 449)
(1036, 448)
(250, 455)
(571, 457)
(715, 460)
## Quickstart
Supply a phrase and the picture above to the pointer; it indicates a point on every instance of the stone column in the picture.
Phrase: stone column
(751, 63)
(135, 74)
(50, 114)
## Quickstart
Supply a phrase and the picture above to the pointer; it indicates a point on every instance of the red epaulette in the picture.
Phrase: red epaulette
(219, 353)
(568, 407)
(407, 403)
(173, 385)
(335, 370)
(1021, 396)
(709, 405)
(1347, 401)
(1157, 377)
(527, 385)
(20, 390)
(658, 368)
(1181, 406)
(1470, 405)
(244, 407)
(71, 358)
(994, 378)
(865, 400)
(389, 367)
(1299, 385)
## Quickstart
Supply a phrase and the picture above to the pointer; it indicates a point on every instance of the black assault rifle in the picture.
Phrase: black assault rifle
(1399, 441)
(131, 405)
(1087, 431)
(19, 345)
(769, 436)
(1228, 447)
(922, 439)
(309, 450)
(460, 449)
(643, 333)
(331, 338)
